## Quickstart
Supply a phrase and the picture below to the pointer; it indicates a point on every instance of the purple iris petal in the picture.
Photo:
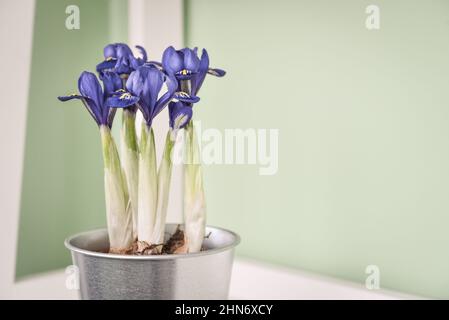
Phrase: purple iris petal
(155, 63)
(152, 86)
(70, 97)
(203, 70)
(191, 61)
(121, 100)
(107, 65)
(123, 50)
(179, 114)
(119, 58)
(184, 64)
(91, 93)
(172, 85)
(216, 72)
(146, 83)
(122, 66)
(172, 61)
(111, 83)
(90, 88)
(143, 52)
(198, 78)
(185, 97)
(134, 84)
(110, 51)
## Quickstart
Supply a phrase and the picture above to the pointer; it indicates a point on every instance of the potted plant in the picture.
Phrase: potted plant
(139, 256)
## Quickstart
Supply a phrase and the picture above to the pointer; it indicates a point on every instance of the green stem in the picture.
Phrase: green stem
(130, 161)
(147, 190)
(164, 177)
(129, 120)
(118, 216)
(194, 199)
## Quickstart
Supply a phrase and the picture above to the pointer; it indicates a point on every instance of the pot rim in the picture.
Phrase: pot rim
(73, 248)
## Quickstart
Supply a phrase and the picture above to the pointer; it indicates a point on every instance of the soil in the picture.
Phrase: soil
(175, 244)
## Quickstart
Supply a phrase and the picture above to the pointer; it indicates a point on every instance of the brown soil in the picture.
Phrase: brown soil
(175, 244)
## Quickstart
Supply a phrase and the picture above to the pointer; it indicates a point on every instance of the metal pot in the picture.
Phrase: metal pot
(202, 275)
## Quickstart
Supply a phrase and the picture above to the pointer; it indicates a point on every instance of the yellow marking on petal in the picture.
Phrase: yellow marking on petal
(109, 58)
(125, 96)
(184, 72)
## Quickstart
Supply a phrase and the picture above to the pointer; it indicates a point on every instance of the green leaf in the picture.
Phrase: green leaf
(119, 218)
(147, 187)
(194, 199)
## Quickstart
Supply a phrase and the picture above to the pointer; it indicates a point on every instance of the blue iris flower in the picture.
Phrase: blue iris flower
(97, 100)
(146, 84)
(120, 59)
(184, 64)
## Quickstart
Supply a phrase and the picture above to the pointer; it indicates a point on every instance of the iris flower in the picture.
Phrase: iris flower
(153, 89)
(146, 84)
(98, 101)
(136, 191)
(190, 71)
(184, 64)
(120, 59)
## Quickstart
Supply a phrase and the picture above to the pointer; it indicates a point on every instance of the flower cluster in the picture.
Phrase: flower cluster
(136, 191)
(131, 81)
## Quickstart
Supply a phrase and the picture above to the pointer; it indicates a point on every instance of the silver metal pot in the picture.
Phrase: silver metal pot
(203, 275)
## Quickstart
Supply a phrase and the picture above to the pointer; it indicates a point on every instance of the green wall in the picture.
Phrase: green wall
(363, 119)
(62, 190)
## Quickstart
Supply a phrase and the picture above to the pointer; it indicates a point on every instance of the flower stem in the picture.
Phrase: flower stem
(147, 186)
(118, 215)
(194, 199)
(164, 177)
(130, 161)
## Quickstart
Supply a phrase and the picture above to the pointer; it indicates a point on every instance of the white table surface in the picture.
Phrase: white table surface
(250, 280)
